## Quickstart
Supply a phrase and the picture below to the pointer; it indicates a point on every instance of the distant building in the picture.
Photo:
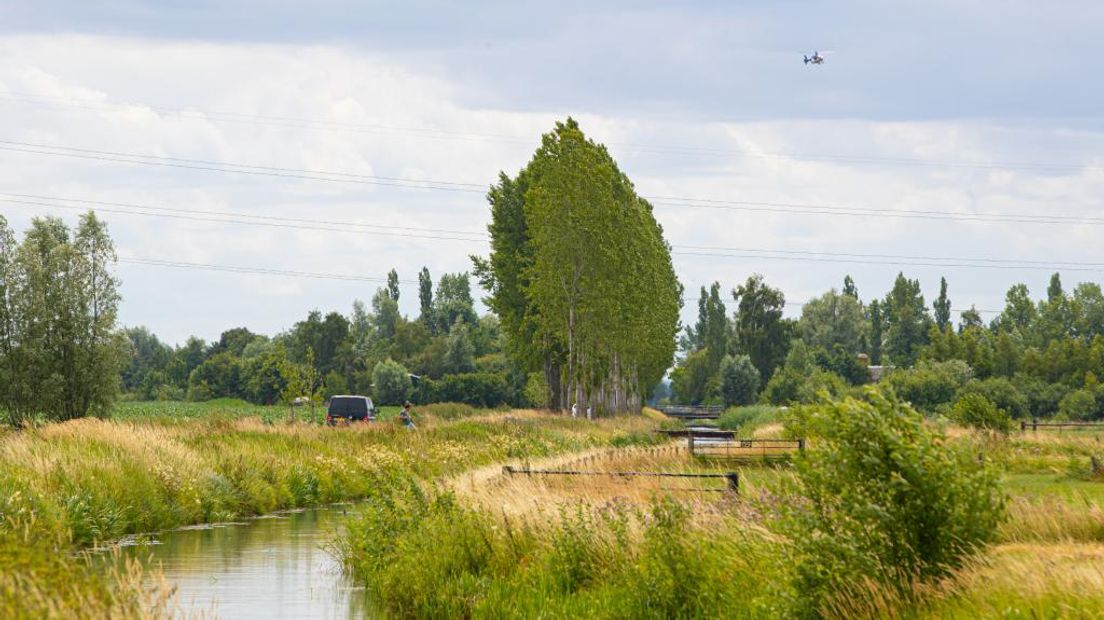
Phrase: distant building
(876, 372)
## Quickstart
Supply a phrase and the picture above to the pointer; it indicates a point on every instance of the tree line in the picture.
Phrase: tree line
(1035, 358)
(447, 352)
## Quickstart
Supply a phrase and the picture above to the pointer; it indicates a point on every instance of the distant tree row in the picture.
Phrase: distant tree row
(374, 350)
(1035, 358)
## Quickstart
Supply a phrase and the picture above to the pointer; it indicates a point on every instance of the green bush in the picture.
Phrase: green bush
(391, 383)
(476, 389)
(1079, 405)
(789, 386)
(888, 501)
(929, 384)
(977, 411)
(1004, 394)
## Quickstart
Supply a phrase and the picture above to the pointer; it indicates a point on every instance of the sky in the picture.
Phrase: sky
(941, 139)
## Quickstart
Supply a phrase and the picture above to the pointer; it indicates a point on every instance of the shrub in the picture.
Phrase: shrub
(888, 502)
(739, 380)
(1079, 405)
(391, 383)
(977, 411)
(476, 389)
(929, 384)
(789, 386)
(1004, 394)
(747, 417)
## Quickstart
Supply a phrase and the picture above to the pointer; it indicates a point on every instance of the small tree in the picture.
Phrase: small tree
(887, 501)
(391, 383)
(739, 380)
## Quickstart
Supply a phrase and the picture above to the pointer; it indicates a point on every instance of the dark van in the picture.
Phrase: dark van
(350, 409)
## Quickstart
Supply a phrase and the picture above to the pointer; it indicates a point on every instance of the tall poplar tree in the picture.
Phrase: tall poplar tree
(581, 276)
(942, 307)
(425, 298)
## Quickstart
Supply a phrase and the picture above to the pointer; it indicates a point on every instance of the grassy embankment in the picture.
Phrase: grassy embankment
(502, 546)
(66, 487)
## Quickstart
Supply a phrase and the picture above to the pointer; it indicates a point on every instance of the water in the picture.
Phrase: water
(271, 567)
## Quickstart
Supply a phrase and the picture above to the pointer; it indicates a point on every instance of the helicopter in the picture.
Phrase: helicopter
(816, 58)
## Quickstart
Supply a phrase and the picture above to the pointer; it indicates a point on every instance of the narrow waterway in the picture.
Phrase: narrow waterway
(272, 567)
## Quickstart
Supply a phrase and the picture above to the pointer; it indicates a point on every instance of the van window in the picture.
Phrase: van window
(348, 406)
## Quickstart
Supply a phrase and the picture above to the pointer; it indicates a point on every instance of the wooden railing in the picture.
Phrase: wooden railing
(687, 412)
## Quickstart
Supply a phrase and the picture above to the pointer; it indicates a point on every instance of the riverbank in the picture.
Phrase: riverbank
(68, 486)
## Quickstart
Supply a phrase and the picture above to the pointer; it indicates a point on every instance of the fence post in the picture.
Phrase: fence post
(733, 481)
(508, 470)
(690, 439)
(1034, 424)
(801, 444)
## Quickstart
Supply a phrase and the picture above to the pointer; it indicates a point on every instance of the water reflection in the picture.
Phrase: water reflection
(273, 567)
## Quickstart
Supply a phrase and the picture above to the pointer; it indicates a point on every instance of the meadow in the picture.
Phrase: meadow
(495, 545)
(449, 533)
(72, 486)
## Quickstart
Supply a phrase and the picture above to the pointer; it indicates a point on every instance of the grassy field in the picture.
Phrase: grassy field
(501, 546)
(451, 534)
(66, 487)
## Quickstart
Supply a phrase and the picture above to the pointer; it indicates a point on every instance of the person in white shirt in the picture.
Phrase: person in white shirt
(575, 410)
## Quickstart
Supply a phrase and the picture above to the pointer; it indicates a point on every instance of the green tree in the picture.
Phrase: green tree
(393, 285)
(849, 288)
(877, 331)
(391, 383)
(425, 298)
(739, 380)
(453, 301)
(580, 274)
(907, 321)
(760, 331)
(460, 354)
(942, 307)
(834, 319)
(1019, 311)
(969, 319)
(62, 352)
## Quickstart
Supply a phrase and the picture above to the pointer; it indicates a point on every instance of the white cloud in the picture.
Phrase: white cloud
(392, 104)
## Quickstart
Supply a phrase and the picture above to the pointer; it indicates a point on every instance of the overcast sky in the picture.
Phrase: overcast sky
(935, 130)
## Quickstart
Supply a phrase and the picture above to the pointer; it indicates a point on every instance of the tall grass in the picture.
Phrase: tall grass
(429, 555)
(89, 481)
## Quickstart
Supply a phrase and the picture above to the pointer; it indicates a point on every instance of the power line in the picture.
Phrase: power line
(463, 187)
(316, 275)
(229, 217)
(254, 270)
(436, 132)
(225, 217)
(230, 167)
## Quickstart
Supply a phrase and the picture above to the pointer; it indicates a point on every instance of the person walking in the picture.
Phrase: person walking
(407, 420)
(574, 410)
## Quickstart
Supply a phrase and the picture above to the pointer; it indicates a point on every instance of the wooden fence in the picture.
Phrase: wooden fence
(686, 412)
(732, 478)
(745, 449)
(1036, 425)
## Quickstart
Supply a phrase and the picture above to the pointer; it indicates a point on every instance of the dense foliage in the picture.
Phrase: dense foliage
(888, 500)
(1035, 359)
(581, 276)
(60, 351)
